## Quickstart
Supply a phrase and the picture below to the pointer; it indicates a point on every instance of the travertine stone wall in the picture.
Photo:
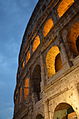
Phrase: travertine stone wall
(49, 97)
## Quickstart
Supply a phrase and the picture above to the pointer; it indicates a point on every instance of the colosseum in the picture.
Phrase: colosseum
(47, 85)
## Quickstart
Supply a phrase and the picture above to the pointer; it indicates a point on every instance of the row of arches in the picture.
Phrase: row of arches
(36, 42)
(34, 82)
(48, 25)
(53, 65)
(35, 45)
(53, 58)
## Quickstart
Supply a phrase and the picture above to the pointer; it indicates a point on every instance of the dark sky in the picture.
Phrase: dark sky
(14, 16)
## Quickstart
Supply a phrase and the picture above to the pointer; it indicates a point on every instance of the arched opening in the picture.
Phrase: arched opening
(39, 116)
(53, 61)
(73, 39)
(47, 27)
(26, 88)
(27, 56)
(36, 43)
(64, 6)
(36, 82)
(64, 111)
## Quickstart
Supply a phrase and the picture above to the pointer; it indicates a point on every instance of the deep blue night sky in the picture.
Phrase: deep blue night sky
(14, 16)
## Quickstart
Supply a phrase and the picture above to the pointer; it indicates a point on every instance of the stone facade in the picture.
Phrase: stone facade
(48, 67)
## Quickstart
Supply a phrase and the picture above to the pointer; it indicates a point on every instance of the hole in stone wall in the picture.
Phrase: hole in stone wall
(47, 27)
(36, 43)
(53, 61)
(64, 111)
(63, 6)
(73, 39)
(36, 81)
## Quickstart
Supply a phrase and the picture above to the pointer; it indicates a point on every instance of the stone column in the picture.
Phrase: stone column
(63, 52)
(42, 73)
(65, 37)
(46, 110)
(41, 36)
(54, 16)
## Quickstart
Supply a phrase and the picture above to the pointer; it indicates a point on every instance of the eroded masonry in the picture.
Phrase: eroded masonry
(48, 66)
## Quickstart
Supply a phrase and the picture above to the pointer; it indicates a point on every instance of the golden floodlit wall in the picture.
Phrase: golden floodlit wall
(27, 56)
(72, 37)
(50, 60)
(26, 88)
(47, 85)
(63, 6)
(47, 27)
(36, 43)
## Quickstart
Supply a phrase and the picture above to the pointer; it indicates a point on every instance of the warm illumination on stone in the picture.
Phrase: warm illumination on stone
(50, 60)
(47, 27)
(27, 56)
(72, 37)
(63, 6)
(26, 88)
(36, 43)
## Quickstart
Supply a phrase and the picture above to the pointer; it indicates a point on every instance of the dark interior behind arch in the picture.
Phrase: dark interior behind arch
(36, 80)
